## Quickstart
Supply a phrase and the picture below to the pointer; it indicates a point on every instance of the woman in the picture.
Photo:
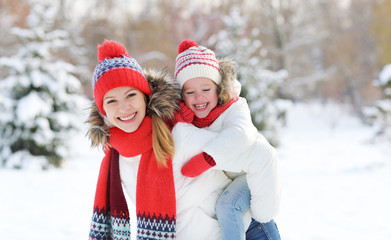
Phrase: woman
(126, 120)
(138, 149)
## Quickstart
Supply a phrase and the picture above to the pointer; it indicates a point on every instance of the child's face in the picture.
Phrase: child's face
(200, 95)
(125, 107)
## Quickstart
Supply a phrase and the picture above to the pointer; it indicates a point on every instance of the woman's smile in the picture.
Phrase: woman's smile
(127, 118)
(125, 107)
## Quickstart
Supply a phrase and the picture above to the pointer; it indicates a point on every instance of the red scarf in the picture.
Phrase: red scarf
(213, 115)
(155, 194)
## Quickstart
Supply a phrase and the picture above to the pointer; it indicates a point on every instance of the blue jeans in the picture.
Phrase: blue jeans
(229, 210)
(262, 231)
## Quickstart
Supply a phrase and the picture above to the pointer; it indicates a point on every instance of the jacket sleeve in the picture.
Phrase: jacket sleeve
(189, 141)
(237, 135)
(263, 180)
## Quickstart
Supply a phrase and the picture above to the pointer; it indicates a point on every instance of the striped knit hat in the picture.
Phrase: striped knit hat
(195, 61)
(116, 69)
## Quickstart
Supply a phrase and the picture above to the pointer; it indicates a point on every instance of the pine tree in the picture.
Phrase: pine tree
(240, 42)
(379, 115)
(39, 97)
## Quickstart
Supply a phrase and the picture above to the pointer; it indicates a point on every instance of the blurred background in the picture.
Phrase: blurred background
(286, 50)
(316, 74)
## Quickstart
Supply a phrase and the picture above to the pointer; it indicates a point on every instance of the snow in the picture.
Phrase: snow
(38, 89)
(385, 75)
(26, 110)
(53, 204)
(335, 184)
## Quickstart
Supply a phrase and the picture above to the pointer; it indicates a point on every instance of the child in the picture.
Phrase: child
(210, 101)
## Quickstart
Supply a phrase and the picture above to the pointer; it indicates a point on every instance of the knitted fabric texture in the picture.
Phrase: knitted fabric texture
(155, 194)
(213, 115)
(116, 69)
(195, 61)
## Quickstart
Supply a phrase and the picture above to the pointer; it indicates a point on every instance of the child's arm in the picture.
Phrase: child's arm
(237, 136)
(197, 165)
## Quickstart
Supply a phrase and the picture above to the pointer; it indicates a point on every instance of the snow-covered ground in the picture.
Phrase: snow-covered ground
(336, 185)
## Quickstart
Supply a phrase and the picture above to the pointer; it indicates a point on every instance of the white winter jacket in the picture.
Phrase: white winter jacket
(239, 147)
(195, 197)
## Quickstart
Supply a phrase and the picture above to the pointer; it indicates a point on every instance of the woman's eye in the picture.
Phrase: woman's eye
(131, 95)
(110, 101)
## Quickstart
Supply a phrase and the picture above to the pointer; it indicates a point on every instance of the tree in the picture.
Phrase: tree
(39, 96)
(239, 40)
(380, 113)
(381, 31)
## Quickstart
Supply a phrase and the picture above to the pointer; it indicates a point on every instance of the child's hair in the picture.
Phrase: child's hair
(224, 95)
(162, 140)
(225, 89)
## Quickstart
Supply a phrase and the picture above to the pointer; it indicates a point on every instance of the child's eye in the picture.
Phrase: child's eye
(206, 89)
(189, 92)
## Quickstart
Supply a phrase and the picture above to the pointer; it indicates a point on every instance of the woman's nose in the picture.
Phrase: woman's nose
(124, 106)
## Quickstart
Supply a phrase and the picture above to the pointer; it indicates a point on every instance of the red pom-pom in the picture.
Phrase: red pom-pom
(110, 49)
(186, 44)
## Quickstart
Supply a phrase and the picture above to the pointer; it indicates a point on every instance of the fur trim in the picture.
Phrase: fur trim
(98, 130)
(163, 101)
(165, 95)
(228, 77)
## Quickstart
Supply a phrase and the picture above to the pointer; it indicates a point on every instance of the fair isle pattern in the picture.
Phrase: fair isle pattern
(195, 55)
(118, 228)
(153, 228)
(115, 63)
(100, 226)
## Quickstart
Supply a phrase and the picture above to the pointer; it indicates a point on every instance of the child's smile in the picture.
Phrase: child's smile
(200, 95)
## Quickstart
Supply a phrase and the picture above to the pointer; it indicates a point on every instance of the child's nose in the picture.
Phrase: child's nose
(198, 95)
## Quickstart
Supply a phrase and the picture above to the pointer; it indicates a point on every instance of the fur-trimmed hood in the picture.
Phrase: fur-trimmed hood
(229, 85)
(163, 101)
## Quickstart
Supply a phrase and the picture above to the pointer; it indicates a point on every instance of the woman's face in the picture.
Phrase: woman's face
(125, 107)
(200, 95)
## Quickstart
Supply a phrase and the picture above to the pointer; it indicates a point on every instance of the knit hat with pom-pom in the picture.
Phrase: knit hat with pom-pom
(116, 69)
(195, 61)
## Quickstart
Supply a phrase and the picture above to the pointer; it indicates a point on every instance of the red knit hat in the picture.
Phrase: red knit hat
(116, 69)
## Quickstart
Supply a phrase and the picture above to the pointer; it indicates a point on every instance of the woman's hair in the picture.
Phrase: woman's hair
(162, 141)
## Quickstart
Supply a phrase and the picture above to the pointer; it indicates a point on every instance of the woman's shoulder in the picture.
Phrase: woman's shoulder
(187, 131)
(189, 139)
